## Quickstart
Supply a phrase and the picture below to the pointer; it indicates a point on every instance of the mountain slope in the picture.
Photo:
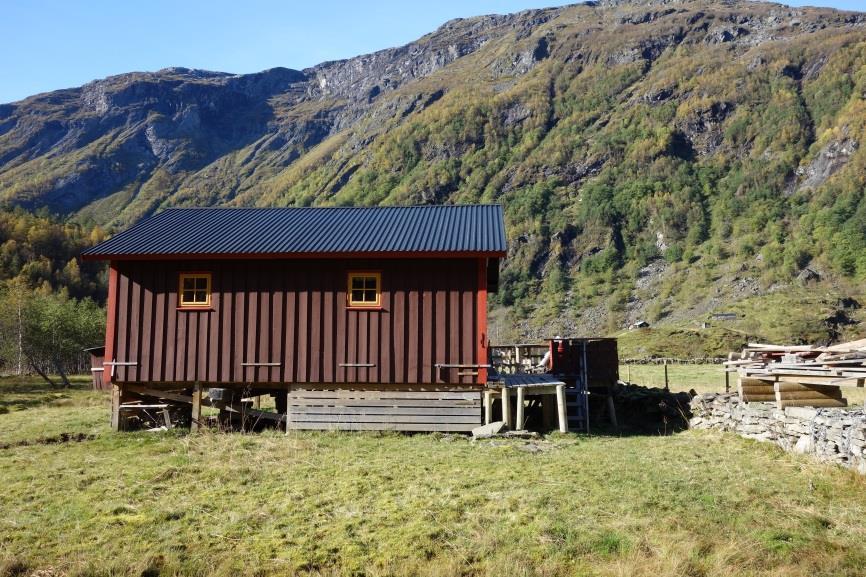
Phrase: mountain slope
(656, 159)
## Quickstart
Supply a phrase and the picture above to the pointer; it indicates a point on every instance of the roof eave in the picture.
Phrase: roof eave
(295, 255)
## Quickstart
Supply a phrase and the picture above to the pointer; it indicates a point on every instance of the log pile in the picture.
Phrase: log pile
(799, 375)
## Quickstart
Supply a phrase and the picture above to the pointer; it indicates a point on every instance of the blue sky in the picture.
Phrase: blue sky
(51, 44)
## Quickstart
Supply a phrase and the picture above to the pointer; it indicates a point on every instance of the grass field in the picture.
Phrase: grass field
(693, 504)
(701, 379)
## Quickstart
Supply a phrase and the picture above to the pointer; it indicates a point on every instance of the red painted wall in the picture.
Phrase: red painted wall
(294, 313)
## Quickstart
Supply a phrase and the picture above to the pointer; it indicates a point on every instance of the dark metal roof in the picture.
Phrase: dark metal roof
(333, 230)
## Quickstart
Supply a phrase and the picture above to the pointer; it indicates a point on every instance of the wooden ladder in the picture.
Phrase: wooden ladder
(577, 409)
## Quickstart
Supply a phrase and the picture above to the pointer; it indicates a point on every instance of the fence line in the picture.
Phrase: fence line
(673, 361)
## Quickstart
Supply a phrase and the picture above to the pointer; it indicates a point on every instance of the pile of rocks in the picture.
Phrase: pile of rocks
(831, 435)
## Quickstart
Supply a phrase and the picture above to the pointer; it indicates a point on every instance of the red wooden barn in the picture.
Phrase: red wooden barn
(358, 318)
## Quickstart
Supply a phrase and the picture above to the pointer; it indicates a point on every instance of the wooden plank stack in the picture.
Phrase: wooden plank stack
(799, 375)
(421, 409)
(755, 390)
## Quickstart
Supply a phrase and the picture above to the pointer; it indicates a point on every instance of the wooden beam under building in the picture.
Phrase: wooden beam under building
(195, 420)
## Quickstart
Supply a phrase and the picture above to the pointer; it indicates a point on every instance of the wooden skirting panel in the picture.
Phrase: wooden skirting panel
(404, 410)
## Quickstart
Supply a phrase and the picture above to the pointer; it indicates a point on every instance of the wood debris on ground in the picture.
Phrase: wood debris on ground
(799, 375)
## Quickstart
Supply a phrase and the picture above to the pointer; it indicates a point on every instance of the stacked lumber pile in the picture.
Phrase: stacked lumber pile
(799, 375)
(755, 390)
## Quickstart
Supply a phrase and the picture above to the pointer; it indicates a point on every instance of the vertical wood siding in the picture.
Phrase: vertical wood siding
(294, 313)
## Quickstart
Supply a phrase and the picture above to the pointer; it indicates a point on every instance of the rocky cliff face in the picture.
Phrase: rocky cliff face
(70, 148)
(616, 132)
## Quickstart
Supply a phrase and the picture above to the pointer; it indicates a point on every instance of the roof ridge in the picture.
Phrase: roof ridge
(331, 207)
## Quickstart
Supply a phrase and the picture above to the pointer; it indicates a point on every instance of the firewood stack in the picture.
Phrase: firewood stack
(799, 375)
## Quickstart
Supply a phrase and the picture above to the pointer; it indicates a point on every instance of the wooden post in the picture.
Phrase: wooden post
(167, 418)
(195, 421)
(116, 394)
(548, 411)
(560, 408)
(667, 388)
(521, 391)
(488, 407)
(727, 382)
(288, 412)
(506, 408)
(257, 402)
(611, 408)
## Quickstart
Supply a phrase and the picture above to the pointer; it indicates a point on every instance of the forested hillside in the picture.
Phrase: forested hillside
(658, 160)
(49, 299)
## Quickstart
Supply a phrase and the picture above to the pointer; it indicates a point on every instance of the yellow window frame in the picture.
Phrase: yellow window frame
(195, 303)
(351, 291)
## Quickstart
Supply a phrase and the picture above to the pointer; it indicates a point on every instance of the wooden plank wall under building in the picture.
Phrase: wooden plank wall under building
(286, 321)
(97, 370)
(371, 409)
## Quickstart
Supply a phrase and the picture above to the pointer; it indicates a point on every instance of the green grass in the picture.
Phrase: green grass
(679, 342)
(701, 378)
(30, 410)
(797, 315)
(696, 503)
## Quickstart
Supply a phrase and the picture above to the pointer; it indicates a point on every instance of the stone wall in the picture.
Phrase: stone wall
(830, 435)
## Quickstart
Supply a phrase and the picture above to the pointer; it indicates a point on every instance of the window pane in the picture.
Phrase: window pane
(195, 289)
(363, 289)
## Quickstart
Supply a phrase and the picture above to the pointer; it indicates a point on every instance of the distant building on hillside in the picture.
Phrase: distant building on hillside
(724, 316)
